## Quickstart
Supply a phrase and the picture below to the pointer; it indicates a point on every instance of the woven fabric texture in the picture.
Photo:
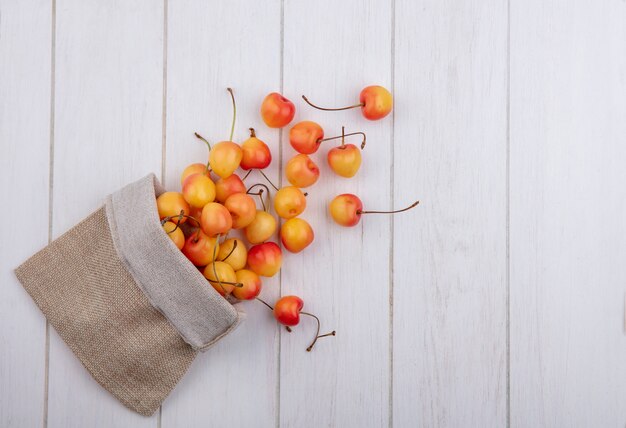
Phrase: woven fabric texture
(93, 302)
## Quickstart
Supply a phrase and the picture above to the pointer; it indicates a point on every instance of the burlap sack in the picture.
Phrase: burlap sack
(126, 301)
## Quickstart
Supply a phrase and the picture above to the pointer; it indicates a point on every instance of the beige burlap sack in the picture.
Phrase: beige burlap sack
(126, 301)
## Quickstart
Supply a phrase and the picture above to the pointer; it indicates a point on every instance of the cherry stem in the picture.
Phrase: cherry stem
(232, 127)
(332, 333)
(288, 329)
(413, 205)
(252, 133)
(316, 333)
(179, 216)
(331, 109)
(217, 239)
(342, 136)
(268, 180)
(208, 164)
(231, 251)
(265, 303)
(260, 194)
(246, 176)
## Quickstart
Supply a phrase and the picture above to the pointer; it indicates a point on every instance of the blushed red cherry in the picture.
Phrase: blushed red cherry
(345, 160)
(221, 276)
(225, 187)
(347, 209)
(277, 111)
(265, 259)
(256, 154)
(250, 285)
(301, 171)
(306, 137)
(375, 101)
(242, 209)
(287, 311)
(199, 248)
(262, 227)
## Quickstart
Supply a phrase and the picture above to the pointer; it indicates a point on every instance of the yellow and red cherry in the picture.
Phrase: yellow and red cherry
(250, 285)
(221, 276)
(345, 160)
(171, 204)
(347, 209)
(255, 153)
(198, 190)
(175, 233)
(200, 248)
(242, 209)
(296, 234)
(215, 219)
(301, 171)
(277, 111)
(262, 227)
(375, 102)
(287, 310)
(194, 168)
(265, 259)
(306, 137)
(225, 187)
(233, 251)
(225, 158)
(289, 202)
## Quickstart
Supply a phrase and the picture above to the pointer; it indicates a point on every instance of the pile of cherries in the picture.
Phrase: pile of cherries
(215, 200)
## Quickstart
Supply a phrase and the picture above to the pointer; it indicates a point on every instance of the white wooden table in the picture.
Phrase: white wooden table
(498, 302)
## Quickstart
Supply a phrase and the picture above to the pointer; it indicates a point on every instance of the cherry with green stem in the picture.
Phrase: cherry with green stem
(200, 137)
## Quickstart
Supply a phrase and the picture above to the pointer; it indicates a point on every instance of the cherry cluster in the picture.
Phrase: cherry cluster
(215, 200)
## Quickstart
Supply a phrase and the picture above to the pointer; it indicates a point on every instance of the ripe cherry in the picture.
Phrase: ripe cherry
(376, 102)
(171, 204)
(306, 137)
(251, 285)
(224, 187)
(225, 157)
(216, 219)
(256, 154)
(296, 234)
(262, 227)
(277, 111)
(289, 202)
(287, 311)
(221, 276)
(265, 259)
(198, 190)
(242, 209)
(345, 160)
(347, 209)
(175, 233)
(194, 168)
(199, 248)
(233, 251)
(301, 171)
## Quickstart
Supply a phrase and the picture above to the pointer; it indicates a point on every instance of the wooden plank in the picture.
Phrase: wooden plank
(212, 46)
(450, 146)
(568, 81)
(25, 41)
(332, 50)
(107, 133)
